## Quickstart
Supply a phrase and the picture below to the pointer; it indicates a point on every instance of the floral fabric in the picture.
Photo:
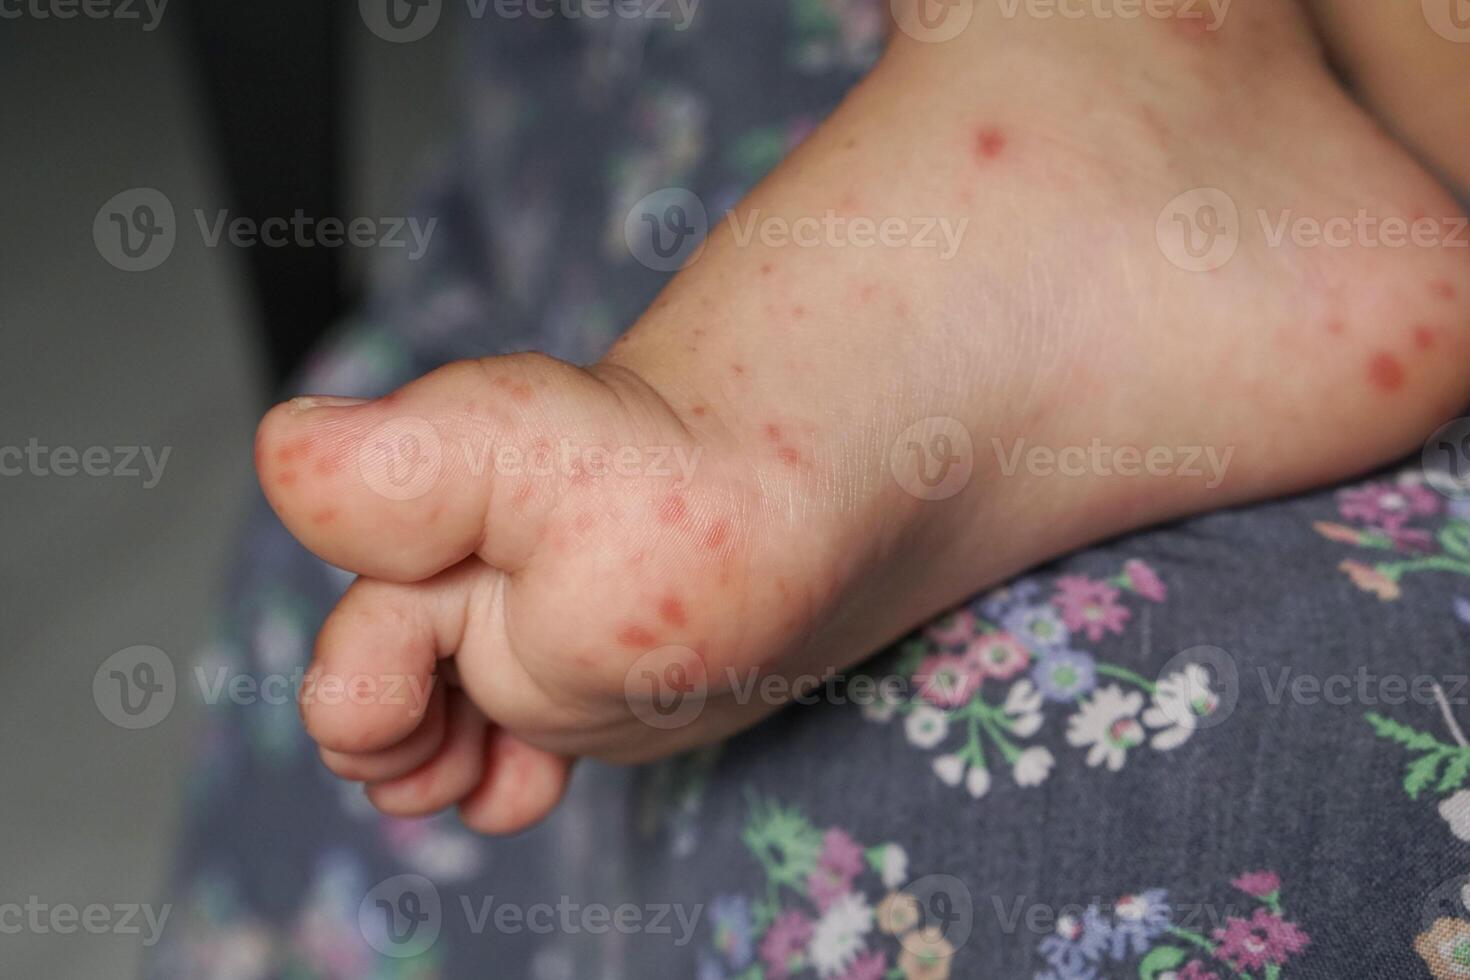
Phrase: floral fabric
(1230, 748)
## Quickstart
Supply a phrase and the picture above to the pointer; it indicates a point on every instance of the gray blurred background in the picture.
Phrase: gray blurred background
(178, 358)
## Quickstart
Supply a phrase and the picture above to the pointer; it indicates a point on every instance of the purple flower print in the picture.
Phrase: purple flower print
(1065, 676)
(840, 863)
(1077, 943)
(1264, 938)
(1091, 606)
(730, 915)
(1388, 504)
(1195, 970)
(946, 680)
(1000, 603)
(785, 943)
(1039, 627)
(1259, 884)
(1137, 921)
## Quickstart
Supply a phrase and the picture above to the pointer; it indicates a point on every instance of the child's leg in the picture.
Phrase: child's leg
(1410, 62)
(1083, 328)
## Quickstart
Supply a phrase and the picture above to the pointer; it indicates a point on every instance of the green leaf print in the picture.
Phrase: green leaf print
(1161, 960)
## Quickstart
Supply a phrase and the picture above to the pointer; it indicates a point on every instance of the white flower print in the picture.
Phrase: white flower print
(977, 781)
(895, 866)
(1456, 812)
(1180, 701)
(1033, 766)
(1108, 722)
(1023, 703)
(926, 727)
(839, 934)
(950, 768)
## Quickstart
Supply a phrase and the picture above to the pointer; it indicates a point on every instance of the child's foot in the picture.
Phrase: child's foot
(747, 485)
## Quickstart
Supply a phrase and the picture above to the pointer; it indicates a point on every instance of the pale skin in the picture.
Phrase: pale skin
(523, 601)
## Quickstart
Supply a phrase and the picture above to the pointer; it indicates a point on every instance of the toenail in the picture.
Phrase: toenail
(308, 402)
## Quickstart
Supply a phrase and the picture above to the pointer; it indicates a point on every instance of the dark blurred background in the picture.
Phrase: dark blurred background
(258, 108)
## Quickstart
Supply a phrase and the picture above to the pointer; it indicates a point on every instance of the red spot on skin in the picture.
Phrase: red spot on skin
(773, 432)
(671, 610)
(1443, 288)
(518, 390)
(738, 368)
(848, 202)
(867, 293)
(798, 311)
(901, 309)
(767, 268)
(716, 535)
(287, 479)
(522, 494)
(1424, 338)
(636, 637)
(788, 456)
(326, 466)
(700, 410)
(989, 143)
(1336, 328)
(1386, 373)
(326, 516)
(295, 449)
(635, 559)
(672, 510)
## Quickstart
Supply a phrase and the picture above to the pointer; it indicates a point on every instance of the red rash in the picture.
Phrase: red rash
(636, 636)
(989, 143)
(766, 268)
(324, 516)
(1386, 373)
(788, 456)
(672, 510)
(700, 410)
(716, 535)
(1424, 338)
(1443, 288)
(287, 478)
(296, 449)
(1336, 328)
(671, 611)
